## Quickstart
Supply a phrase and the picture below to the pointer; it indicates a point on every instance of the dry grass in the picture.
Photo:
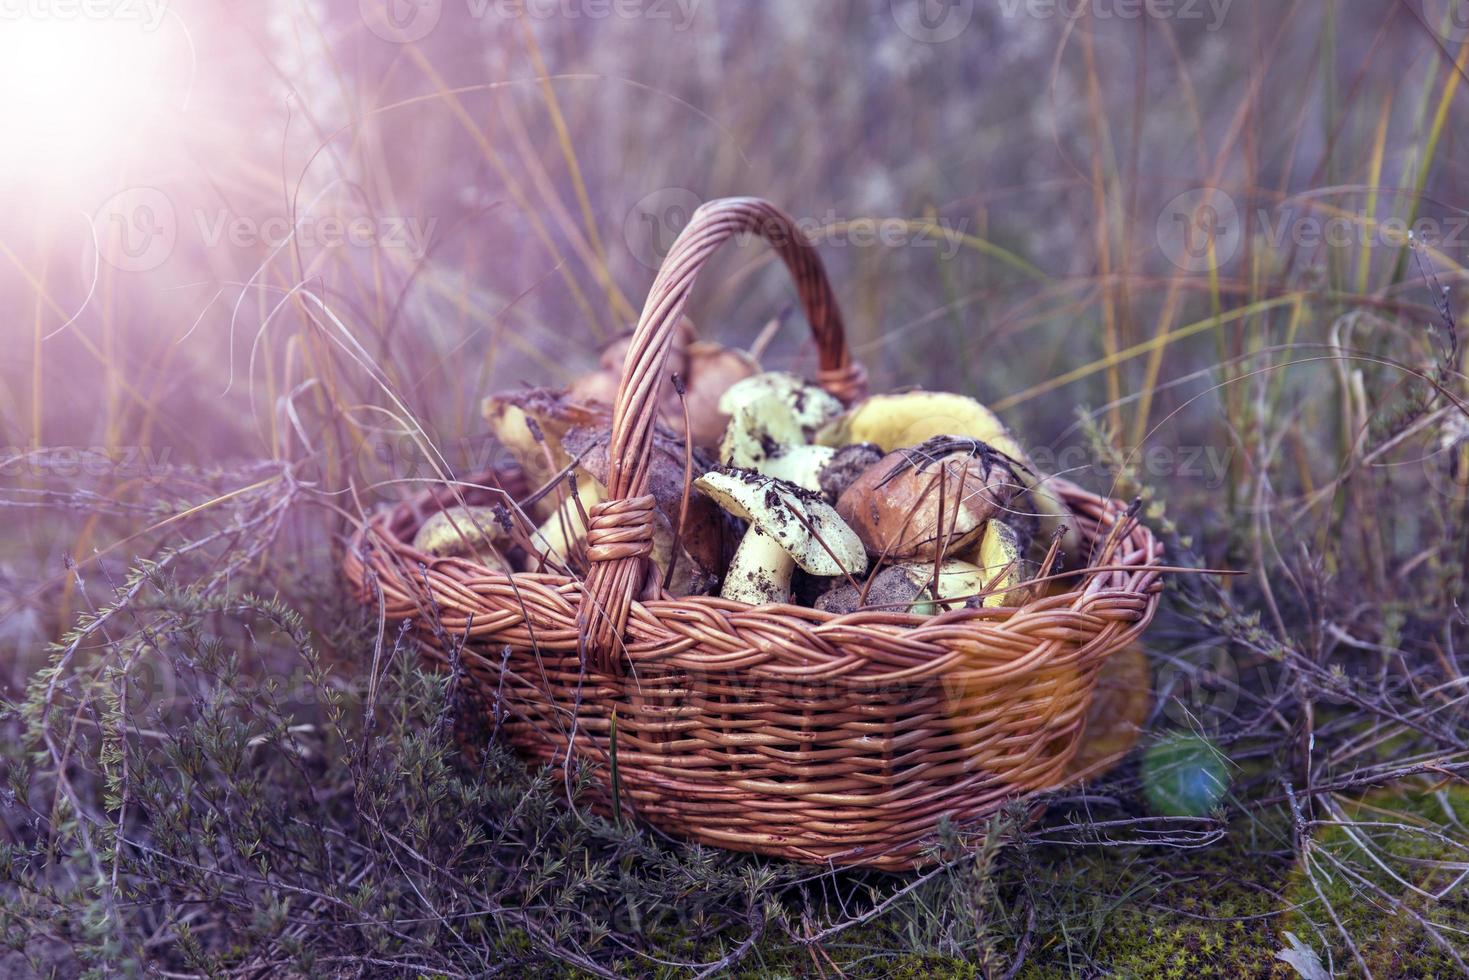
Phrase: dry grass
(215, 765)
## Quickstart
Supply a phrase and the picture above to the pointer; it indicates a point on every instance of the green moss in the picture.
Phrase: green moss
(1403, 827)
(1174, 946)
(1154, 912)
(870, 950)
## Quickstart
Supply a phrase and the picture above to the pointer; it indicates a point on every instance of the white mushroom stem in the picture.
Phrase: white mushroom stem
(801, 465)
(760, 572)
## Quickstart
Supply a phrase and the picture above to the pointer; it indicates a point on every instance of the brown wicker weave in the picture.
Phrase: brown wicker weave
(778, 729)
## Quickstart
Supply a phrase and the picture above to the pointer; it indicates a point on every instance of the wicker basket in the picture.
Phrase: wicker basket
(779, 729)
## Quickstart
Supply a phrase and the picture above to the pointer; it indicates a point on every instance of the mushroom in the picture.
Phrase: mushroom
(517, 417)
(912, 417)
(811, 407)
(601, 384)
(708, 370)
(772, 419)
(937, 495)
(467, 532)
(910, 586)
(788, 527)
(712, 370)
(759, 429)
(701, 540)
(999, 557)
(558, 534)
(596, 386)
(959, 582)
(822, 468)
(892, 588)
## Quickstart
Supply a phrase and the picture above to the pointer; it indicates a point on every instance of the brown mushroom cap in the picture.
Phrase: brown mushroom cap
(849, 463)
(938, 494)
(708, 370)
(892, 590)
(908, 418)
(614, 355)
(913, 586)
(712, 369)
(601, 385)
(598, 386)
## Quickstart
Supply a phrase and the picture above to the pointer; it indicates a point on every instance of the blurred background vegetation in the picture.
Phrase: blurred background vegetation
(260, 262)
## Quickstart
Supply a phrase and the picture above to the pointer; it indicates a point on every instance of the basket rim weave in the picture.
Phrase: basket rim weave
(470, 601)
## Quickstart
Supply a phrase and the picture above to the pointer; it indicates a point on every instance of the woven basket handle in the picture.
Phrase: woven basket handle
(620, 531)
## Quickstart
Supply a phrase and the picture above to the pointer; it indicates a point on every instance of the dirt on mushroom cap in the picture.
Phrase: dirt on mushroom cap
(809, 406)
(846, 466)
(891, 589)
(818, 539)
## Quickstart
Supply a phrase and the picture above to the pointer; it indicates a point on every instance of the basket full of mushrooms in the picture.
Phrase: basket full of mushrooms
(772, 614)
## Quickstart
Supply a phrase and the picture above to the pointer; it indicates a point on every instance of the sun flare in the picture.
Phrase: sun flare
(81, 94)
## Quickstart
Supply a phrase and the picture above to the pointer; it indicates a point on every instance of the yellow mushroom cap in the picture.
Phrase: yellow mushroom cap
(912, 417)
(759, 428)
(999, 560)
(463, 532)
